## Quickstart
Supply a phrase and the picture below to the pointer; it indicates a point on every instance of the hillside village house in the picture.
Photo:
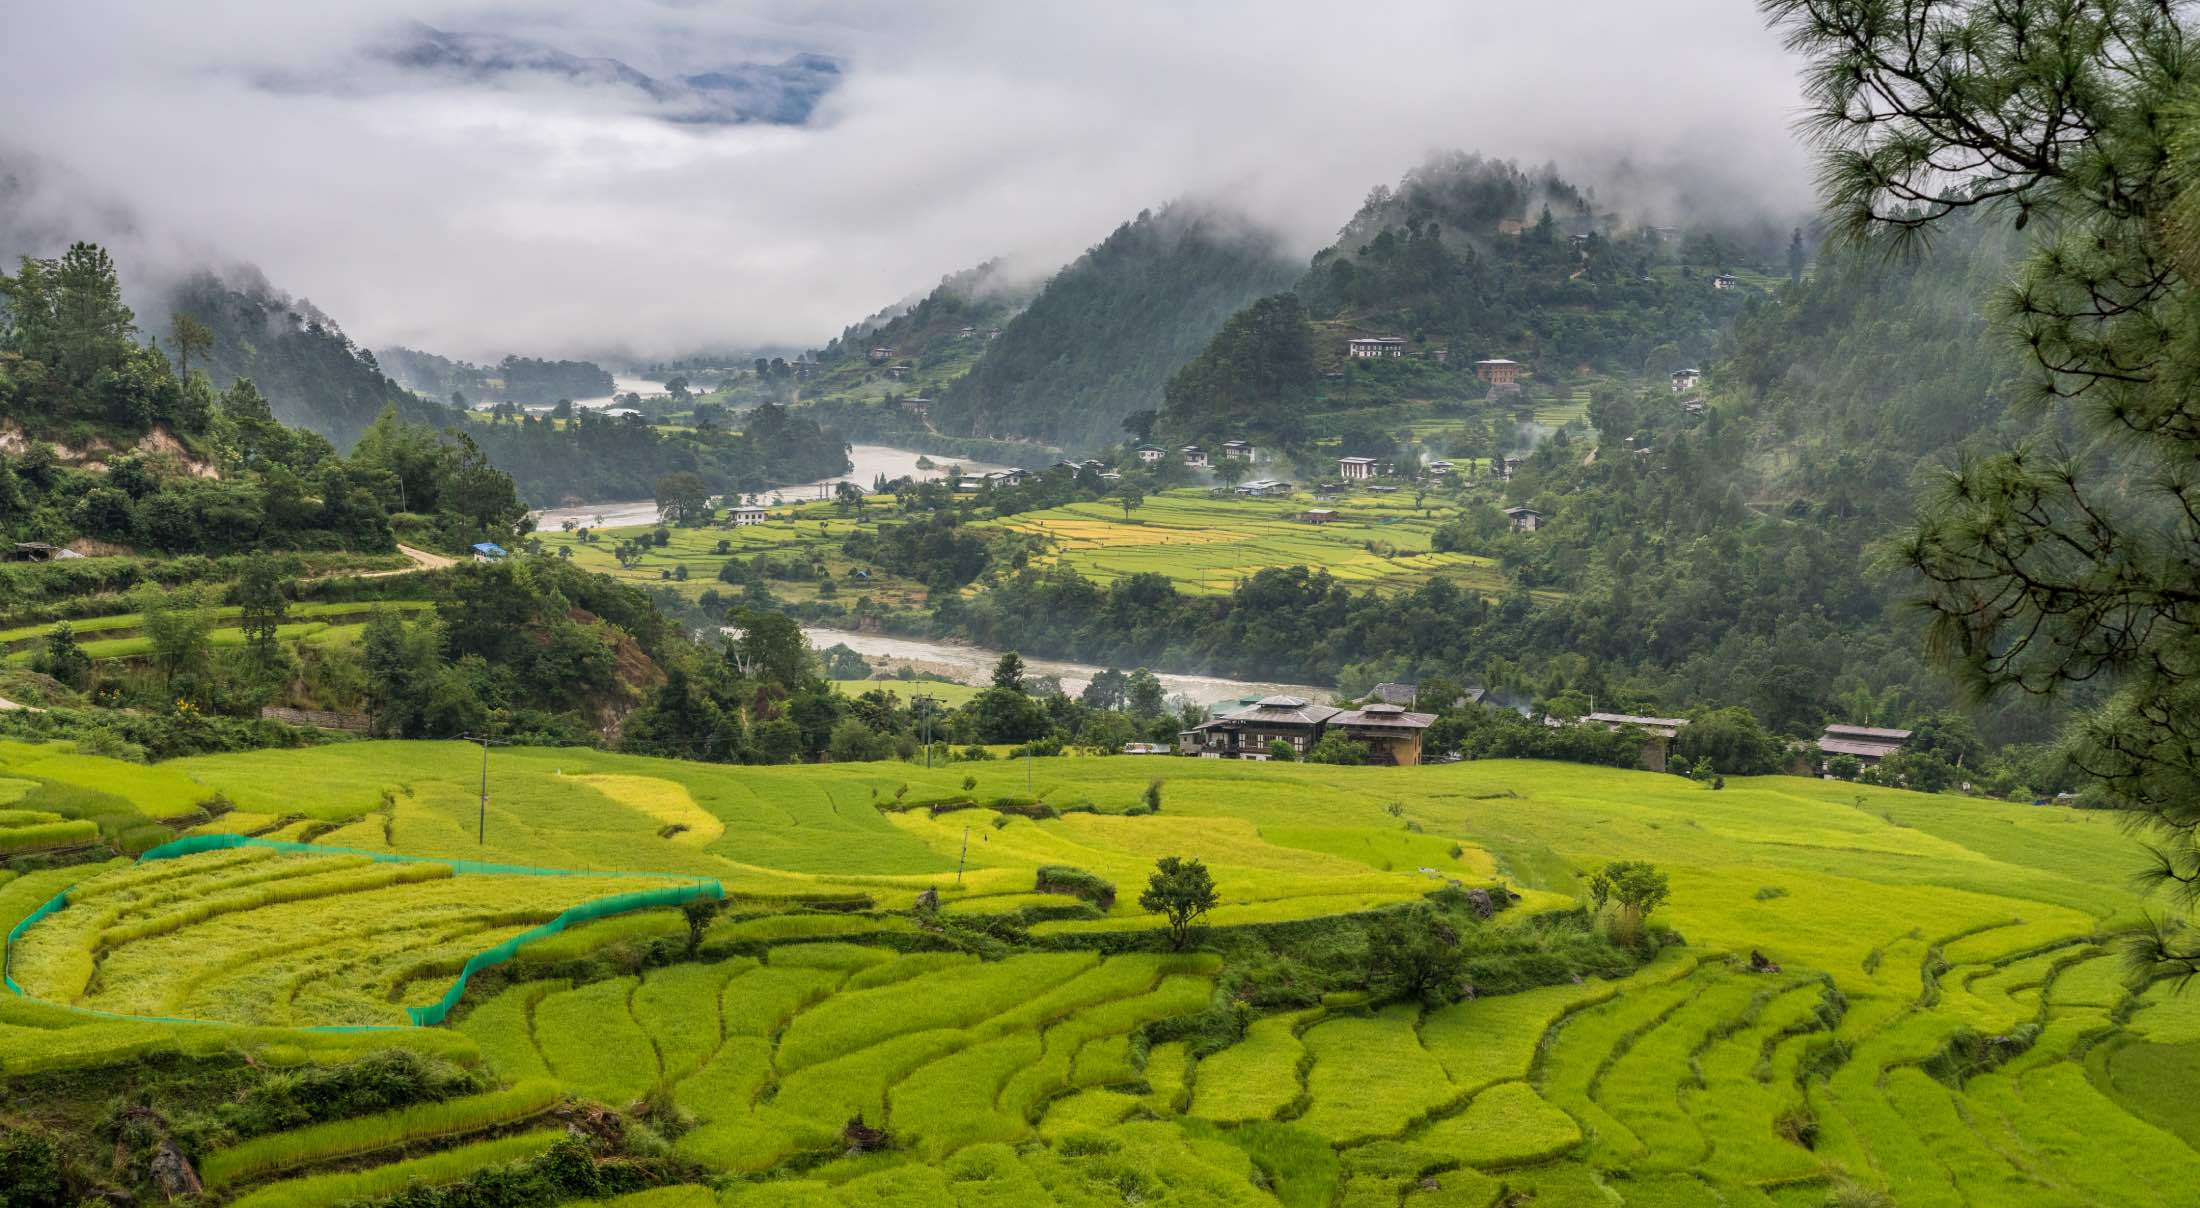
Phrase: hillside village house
(1317, 516)
(488, 551)
(880, 356)
(1376, 346)
(1246, 733)
(1868, 744)
(1509, 226)
(1391, 733)
(1238, 450)
(1438, 469)
(1725, 281)
(1264, 488)
(1685, 380)
(899, 371)
(1524, 520)
(1664, 734)
(1498, 371)
(1356, 469)
(1150, 454)
(1194, 455)
(916, 406)
(747, 514)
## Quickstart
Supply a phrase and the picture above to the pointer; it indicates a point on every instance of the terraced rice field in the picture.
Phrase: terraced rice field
(259, 937)
(1207, 545)
(1951, 1021)
(117, 637)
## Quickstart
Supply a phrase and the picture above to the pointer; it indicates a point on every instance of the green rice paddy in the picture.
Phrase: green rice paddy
(1911, 931)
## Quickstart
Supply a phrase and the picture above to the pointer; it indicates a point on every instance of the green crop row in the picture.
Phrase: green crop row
(368, 1134)
(41, 836)
(447, 1166)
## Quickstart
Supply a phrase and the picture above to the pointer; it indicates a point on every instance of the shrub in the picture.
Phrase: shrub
(1077, 883)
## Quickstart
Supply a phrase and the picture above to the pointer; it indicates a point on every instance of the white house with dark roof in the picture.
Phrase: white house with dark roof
(1375, 346)
(1150, 454)
(1356, 469)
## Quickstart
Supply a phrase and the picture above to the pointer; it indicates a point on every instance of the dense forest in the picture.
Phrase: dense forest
(595, 457)
(155, 459)
(517, 379)
(1102, 338)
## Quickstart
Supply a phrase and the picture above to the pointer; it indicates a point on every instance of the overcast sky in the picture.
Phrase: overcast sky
(492, 212)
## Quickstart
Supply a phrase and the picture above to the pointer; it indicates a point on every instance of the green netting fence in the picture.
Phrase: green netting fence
(436, 1012)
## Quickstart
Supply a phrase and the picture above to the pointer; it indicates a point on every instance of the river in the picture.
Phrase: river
(974, 665)
(869, 461)
(621, 384)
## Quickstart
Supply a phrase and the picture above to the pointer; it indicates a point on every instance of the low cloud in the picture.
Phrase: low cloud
(475, 213)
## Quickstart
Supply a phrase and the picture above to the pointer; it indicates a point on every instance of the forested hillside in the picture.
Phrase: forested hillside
(155, 460)
(302, 362)
(1466, 259)
(1104, 335)
(314, 377)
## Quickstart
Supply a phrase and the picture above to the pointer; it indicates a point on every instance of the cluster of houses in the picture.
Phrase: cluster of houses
(1393, 733)
(1196, 457)
(1390, 732)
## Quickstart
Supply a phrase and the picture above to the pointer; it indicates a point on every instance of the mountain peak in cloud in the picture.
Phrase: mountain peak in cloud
(782, 93)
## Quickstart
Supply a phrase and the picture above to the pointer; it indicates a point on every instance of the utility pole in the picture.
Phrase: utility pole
(924, 706)
(482, 840)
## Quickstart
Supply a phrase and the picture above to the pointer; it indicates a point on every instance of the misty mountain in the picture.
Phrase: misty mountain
(1103, 336)
(786, 92)
(1468, 259)
(312, 374)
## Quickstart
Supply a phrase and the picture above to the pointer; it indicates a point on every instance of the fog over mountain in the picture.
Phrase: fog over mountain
(647, 178)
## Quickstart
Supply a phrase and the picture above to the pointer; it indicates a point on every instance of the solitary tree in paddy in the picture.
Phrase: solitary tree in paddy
(1182, 893)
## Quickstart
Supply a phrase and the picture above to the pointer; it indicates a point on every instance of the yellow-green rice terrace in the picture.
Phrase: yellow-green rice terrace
(1936, 1007)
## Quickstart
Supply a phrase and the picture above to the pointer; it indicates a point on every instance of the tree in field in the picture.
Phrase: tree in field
(2045, 567)
(63, 658)
(1232, 471)
(1636, 888)
(1130, 496)
(1144, 696)
(190, 337)
(178, 626)
(683, 498)
(1106, 691)
(1182, 893)
(1009, 672)
(262, 607)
